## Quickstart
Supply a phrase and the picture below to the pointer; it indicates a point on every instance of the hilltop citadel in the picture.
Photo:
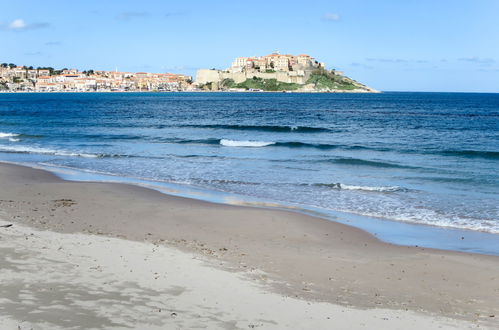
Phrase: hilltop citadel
(278, 72)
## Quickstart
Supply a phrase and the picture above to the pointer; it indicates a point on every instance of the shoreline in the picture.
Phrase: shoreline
(400, 233)
(336, 263)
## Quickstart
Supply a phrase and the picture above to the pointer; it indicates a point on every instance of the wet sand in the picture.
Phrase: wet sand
(294, 257)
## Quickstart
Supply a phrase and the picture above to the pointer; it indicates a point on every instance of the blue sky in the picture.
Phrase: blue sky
(404, 45)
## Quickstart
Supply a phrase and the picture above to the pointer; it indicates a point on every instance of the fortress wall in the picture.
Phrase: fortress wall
(238, 77)
(204, 76)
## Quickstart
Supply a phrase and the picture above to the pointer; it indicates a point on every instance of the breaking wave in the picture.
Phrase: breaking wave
(44, 151)
(12, 137)
(234, 143)
(342, 186)
(7, 135)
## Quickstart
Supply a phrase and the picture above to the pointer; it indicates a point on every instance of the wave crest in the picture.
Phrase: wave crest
(7, 135)
(235, 143)
(44, 151)
(342, 186)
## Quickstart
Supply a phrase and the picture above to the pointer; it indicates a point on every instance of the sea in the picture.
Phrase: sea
(411, 168)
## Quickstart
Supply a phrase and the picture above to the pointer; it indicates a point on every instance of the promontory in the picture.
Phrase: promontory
(278, 72)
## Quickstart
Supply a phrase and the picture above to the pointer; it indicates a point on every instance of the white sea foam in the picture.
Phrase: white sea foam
(44, 151)
(7, 135)
(13, 140)
(430, 217)
(235, 143)
(367, 188)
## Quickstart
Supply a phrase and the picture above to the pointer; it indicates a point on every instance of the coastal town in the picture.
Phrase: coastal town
(270, 73)
(28, 79)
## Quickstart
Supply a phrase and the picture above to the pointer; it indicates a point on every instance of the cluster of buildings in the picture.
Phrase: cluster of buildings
(295, 69)
(292, 69)
(275, 62)
(21, 78)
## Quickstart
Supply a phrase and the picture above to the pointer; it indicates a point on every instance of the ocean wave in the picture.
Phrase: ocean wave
(235, 143)
(471, 153)
(15, 137)
(12, 137)
(342, 186)
(44, 151)
(264, 128)
(430, 217)
(229, 182)
(291, 144)
(295, 144)
(253, 143)
(7, 135)
(362, 162)
(201, 141)
(111, 136)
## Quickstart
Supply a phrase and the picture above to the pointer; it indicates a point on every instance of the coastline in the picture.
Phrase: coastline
(399, 233)
(339, 91)
(337, 264)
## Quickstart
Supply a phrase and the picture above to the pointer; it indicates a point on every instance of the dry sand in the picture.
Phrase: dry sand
(215, 266)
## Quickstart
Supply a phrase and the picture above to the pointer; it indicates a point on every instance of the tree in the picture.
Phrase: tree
(12, 65)
(4, 65)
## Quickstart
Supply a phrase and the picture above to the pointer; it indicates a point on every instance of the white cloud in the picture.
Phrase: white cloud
(20, 25)
(17, 24)
(331, 17)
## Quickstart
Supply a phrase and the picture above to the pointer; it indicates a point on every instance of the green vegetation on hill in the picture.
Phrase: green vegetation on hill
(322, 80)
(228, 83)
(327, 80)
(271, 85)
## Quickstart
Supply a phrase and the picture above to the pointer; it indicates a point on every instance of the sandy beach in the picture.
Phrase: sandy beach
(109, 256)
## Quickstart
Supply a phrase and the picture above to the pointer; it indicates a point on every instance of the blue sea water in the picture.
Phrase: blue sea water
(417, 158)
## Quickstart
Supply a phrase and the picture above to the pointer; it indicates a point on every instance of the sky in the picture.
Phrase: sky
(391, 45)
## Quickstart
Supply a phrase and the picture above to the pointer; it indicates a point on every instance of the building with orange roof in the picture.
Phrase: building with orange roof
(281, 67)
